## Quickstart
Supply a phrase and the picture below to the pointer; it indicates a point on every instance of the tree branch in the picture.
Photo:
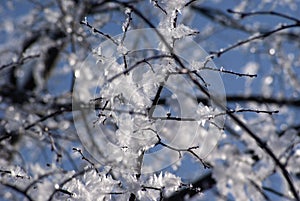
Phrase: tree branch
(203, 183)
(245, 14)
(254, 37)
(21, 61)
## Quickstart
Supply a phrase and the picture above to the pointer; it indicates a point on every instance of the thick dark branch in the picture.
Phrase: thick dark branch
(157, 96)
(277, 193)
(17, 189)
(270, 152)
(251, 98)
(263, 100)
(257, 187)
(189, 3)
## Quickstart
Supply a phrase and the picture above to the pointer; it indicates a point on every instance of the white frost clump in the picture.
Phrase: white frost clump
(92, 187)
(236, 174)
(205, 114)
(166, 182)
(182, 31)
(174, 4)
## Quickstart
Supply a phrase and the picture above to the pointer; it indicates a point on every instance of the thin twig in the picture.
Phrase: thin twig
(86, 23)
(254, 37)
(86, 159)
(21, 61)
(185, 71)
(62, 110)
(245, 14)
(222, 70)
(137, 64)
(126, 24)
(40, 177)
(53, 147)
(190, 150)
(155, 3)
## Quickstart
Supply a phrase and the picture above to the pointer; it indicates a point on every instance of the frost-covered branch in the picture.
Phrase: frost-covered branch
(53, 148)
(247, 14)
(259, 141)
(156, 4)
(201, 184)
(17, 189)
(131, 106)
(253, 110)
(94, 30)
(85, 158)
(145, 60)
(222, 70)
(254, 37)
(270, 152)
